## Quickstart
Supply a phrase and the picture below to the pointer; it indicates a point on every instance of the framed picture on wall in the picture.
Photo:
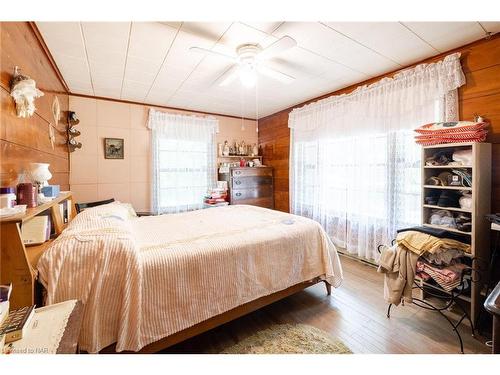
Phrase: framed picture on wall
(113, 148)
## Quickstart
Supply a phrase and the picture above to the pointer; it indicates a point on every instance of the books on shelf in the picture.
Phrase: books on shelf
(17, 323)
(36, 230)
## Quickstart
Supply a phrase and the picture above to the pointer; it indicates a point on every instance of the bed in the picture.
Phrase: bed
(149, 282)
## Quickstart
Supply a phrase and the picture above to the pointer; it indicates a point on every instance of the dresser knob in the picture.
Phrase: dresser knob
(238, 194)
(238, 182)
(237, 172)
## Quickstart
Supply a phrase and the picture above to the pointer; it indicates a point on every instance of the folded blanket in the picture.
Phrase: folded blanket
(448, 278)
(451, 127)
(421, 243)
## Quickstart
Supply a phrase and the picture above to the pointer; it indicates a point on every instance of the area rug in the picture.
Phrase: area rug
(289, 339)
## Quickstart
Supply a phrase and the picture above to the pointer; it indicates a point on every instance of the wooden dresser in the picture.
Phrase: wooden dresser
(252, 186)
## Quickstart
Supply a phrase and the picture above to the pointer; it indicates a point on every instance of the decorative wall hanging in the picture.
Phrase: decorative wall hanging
(113, 148)
(23, 90)
(56, 115)
(73, 144)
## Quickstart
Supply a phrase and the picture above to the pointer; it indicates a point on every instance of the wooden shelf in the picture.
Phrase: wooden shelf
(447, 208)
(450, 145)
(447, 228)
(480, 192)
(448, 166)
(448, 187)
(18, 261)
(32, 212)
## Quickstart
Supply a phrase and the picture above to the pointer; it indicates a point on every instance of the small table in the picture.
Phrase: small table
(54, 329)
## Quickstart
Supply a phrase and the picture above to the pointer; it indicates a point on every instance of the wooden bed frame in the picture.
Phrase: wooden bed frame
(220, 319)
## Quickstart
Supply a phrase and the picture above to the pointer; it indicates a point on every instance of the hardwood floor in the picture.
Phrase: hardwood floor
(354, 313)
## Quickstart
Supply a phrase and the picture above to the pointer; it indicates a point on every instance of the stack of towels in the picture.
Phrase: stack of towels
(451, 132)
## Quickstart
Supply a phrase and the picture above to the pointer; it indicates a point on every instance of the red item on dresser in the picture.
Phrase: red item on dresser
(26, 194)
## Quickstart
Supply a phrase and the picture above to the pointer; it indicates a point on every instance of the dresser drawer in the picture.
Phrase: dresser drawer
(247, 182)
(260, 202)
(257, 171)
(265, 191)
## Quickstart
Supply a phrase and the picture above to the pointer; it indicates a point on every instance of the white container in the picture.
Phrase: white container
(7, 200)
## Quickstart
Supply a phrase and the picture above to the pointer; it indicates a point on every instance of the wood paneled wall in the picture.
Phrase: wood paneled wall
(480, 94)
(27, 140)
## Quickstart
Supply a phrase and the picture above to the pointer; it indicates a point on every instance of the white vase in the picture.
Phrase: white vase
(40, 173)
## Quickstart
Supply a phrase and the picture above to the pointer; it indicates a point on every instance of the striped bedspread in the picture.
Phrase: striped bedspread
(142, 279)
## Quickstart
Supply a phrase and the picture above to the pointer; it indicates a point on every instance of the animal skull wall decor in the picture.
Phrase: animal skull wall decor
(23, 90)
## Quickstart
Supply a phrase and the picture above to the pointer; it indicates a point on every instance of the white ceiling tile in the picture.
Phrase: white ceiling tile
(160, 69)
(63, 38)
(335, 46)
(237, 35)
(150, 40)
(267, 27)
(391, 39)
(447, 35)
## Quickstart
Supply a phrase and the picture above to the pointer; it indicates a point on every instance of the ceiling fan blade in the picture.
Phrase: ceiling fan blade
(282, 44)
(213, 53)
(228, 76)
(275, 74)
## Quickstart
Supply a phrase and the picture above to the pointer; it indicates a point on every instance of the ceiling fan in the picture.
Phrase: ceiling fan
(249, 60)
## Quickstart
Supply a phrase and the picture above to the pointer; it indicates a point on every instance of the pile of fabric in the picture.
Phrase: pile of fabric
(426, 252)
(454, 158)
(451, 132)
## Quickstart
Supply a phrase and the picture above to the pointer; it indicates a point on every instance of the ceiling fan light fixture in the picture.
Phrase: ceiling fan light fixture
(248, 75)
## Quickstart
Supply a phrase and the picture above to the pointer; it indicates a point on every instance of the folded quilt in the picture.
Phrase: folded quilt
(421, 243)
(451, 127)
(448, 278)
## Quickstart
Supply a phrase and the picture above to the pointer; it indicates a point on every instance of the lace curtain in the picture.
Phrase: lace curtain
(184, 160)
(354, 166)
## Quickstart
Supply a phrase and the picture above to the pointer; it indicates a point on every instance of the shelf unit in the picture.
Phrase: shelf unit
(481, 196)
(18, 261)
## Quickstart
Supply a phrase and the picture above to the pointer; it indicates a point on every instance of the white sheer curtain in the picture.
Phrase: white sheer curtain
(354, 166)
(184, 160)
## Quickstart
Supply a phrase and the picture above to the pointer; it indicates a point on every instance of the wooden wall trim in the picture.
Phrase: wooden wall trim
(368, 81)
(159, 106)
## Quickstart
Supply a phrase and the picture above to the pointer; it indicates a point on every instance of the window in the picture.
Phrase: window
(184, 165)
(184, 173)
